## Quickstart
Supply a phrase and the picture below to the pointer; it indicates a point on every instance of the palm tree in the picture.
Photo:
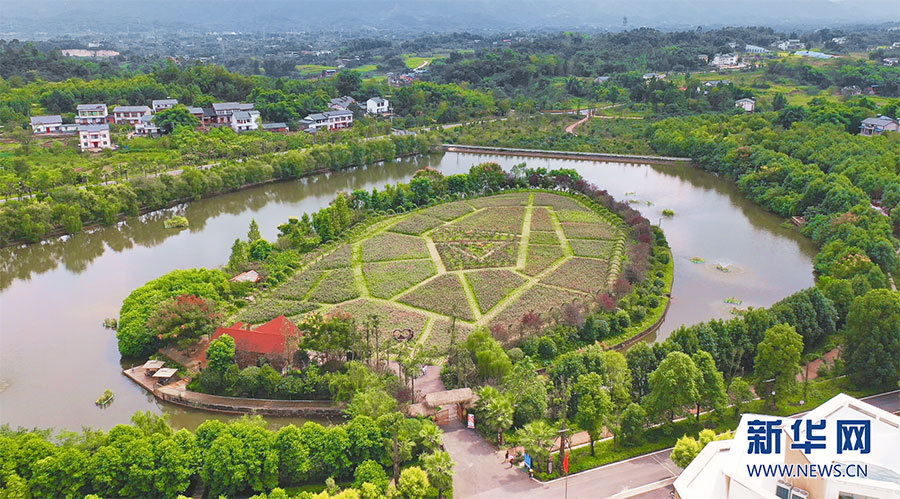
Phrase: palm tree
(537, 438)
(497, 410)
(439, 468)
(431, 437)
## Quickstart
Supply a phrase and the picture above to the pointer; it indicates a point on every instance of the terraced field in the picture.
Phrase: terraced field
(483, 261)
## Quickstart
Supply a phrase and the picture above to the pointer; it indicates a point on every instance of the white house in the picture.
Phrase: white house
(242, 121)
(146, 127)
(749, 105)
(94, 137)
(163, 104)
(46, 124)
(724, 60)
(91, 114)
(879, 125)
(790, 44)
(378, 105)
(129, 114)
(329, 120)
(755, 49)
(835, 432)
(224, 110)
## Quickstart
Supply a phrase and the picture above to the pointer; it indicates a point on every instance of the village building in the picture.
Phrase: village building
(851, 90)
(341, 103)
(91, 114)
(890, 61)
(41, 125)
(601, 79)
(378, 105)
(879, 125)
(790, 44)
(275, 127)
(329, 120)
(747, 104)
(716, 83)
(275, 340)
(248, 276)
(653, 76)
(245, 121)
(755, 49)
(147, 127)
(724, 60)
(94, 137)
(224, 110)
(129, 115)
(163, 104)
(722, 469)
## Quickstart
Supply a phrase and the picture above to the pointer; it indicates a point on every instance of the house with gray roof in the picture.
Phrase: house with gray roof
(879, 125)
(341, 103)
(243, 121)
(94, 137)
(129, 115)
(42, 125)
(329, 120)
(378, 105)
(91, 114)
(163, 104)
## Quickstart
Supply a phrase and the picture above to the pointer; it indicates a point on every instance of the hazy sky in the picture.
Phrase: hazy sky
(57, 17)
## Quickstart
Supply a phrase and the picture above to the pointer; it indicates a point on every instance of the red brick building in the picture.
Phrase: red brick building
(275, 340)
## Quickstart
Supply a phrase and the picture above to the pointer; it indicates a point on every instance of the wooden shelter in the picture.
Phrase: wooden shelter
(437, 405)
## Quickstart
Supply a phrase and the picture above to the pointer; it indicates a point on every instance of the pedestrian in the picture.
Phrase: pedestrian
(424, 370)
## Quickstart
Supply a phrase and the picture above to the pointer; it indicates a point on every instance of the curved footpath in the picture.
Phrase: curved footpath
(590, 156)
(177, 393)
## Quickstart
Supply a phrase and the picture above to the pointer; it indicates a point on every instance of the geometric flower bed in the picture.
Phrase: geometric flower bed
(490, 259)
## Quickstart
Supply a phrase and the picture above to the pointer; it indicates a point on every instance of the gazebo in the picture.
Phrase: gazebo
(437, 404)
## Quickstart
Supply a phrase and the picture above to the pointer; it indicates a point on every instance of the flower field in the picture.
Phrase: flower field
(472, 271)
(491, 286)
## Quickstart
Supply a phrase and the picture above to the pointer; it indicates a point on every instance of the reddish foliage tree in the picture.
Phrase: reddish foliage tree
(621, 287)
(186, 316)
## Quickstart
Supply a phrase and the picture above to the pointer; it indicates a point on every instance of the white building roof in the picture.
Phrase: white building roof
(164, 102)
(93, 128)
(131, 109)
(90, 107)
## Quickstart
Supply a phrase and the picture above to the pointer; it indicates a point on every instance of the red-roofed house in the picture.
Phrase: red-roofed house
(274, 340)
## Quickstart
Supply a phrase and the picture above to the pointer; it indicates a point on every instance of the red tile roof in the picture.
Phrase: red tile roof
(270, 338)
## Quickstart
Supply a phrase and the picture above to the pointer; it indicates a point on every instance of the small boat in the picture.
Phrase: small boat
(733, 301)
(106, 399)
(697, 259)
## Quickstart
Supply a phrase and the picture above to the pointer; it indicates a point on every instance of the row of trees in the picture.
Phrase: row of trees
(149, 459)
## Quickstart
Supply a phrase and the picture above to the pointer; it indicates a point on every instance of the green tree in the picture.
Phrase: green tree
(371, 472)
(537, 438)
(641, 361)
(685, 450)
(240, 255)
(710, 385)
(739, 393)
(778, 363)
(253, 234)
(673, 386)
(594, 406)
(293, 455)
(495, 410)
(372, 402)
(169, 119)
(779, 101)
(632, 424)
(220, 353)
(439, 468)
(413, 483)
(872, 339)
(348, 82)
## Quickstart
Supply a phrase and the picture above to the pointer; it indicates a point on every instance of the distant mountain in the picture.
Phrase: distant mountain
(54, 18)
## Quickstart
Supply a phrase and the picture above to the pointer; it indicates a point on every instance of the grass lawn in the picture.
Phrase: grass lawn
(311, 69)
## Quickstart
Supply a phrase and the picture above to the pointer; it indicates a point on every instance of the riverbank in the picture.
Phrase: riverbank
(590, 156)
(178, 394)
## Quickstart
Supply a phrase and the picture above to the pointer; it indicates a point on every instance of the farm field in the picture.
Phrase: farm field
(482, 261)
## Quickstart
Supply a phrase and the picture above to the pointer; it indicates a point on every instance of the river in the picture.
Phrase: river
(56, 359)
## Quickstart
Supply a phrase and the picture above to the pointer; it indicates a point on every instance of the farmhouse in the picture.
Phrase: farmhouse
(129, 114)
(274, 340)
(243, 121)
(329, 120)
(94, 137)
(341, 103)
(146, 127)
(721, 469)
(890, 61)
(223, 110)
(879, 125)
(652, 76)
(163, 104)
(755, 49)
(46, 124)
(749, 105)
(275, 127)
(91, 114)
(724, 60)
(378, 105)
(790, 44)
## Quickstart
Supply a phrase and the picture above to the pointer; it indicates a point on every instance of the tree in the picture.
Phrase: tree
(372, 402)
(632, 424)
(240, 255)
(169, 119)
(594, 406)
(685, 450)
(641, 361)
(537, 438)
(710, 384)
(673, 386)
(348, 82)
(413, 483)
(439, 468)
(220, 353)
(495, 410)
(371, 472)
(432, 437)
(778, 363)
(779, 101)
(872, 338)
(527, 391)
(739, 393)
(293, 455)
(253, 234)
(616, 377)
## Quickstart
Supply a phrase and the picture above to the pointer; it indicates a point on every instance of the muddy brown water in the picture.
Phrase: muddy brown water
(56, 359)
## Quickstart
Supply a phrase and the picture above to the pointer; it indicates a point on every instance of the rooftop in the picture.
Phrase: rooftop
(131, 109)
(90, 107)
(46, 120)
(93, 128)
(164, 102)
